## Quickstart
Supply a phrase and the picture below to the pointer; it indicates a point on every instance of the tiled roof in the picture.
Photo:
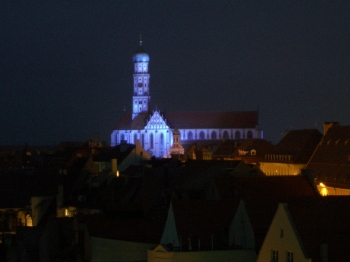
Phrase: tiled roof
(299, 143)
(244, 119)
(281, 187)
(323, 220)
(126, 121)
(16, 188)
(331, 160)
(232, 148)
(248, 119)
(261, 146)
(135, 230)
(200, 219)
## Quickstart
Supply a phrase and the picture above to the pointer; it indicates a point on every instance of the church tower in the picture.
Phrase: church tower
(141, 98)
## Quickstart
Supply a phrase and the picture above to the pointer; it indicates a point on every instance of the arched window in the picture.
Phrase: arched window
(249, 134)
(151, 140)
(143, 140)
(122, 137)
(238, 135)
(213, 135)
(135, 138)
(190, 135)
(161, 139)
(225, 135)
(201, 135)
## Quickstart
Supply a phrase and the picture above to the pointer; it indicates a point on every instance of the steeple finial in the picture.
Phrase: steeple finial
(140, 40)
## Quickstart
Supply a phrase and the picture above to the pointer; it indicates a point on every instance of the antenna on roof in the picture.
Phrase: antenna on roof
(140, 40)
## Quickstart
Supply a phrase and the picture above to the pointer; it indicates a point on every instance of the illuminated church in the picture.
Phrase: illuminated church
(156, 130)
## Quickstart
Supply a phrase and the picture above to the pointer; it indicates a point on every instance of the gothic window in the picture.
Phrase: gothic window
(225, 135)
(201, 135)
(122, 137)
(213, 135)
(161, 139)
(249, 134)
(190, 135)
(238, 135)
(151, 140)
(135, 138)
(143, 140)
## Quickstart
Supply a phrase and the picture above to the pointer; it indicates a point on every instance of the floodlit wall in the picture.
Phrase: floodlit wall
(281, 238)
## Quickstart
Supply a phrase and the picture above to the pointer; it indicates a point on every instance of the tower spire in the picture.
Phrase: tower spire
(140, 40)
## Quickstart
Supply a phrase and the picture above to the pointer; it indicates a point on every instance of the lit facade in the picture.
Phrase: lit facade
(154, 129)
(282, 242)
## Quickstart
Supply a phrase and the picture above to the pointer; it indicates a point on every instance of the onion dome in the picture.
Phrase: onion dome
(176, 132)
(140, 55)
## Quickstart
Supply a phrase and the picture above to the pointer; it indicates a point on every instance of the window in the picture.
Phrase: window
(237, 135)
(190, 135)
(274, 256)
(290, 256)
(213, 135)
(249, 134)
(225, 135)
(151, 140)
(281, 232)
(161, 139)
(201, 135)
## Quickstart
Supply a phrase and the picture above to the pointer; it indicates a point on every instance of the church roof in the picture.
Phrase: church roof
(183, 120)
(139, 122)
(244, 119)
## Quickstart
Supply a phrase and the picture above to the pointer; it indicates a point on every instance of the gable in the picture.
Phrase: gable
(282, 237)
(160, 248)
(156, 122)
(170, 233)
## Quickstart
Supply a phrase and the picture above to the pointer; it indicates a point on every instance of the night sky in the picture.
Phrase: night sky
(66, 68)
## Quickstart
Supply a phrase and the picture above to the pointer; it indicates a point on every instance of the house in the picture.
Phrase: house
(292, 153)
(309, 229)
(330, 164)
(261, 195)
(200, 230)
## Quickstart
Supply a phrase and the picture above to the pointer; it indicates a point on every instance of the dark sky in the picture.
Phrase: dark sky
(66, 68)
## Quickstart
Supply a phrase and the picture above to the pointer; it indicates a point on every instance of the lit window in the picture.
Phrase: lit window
(274, 256)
